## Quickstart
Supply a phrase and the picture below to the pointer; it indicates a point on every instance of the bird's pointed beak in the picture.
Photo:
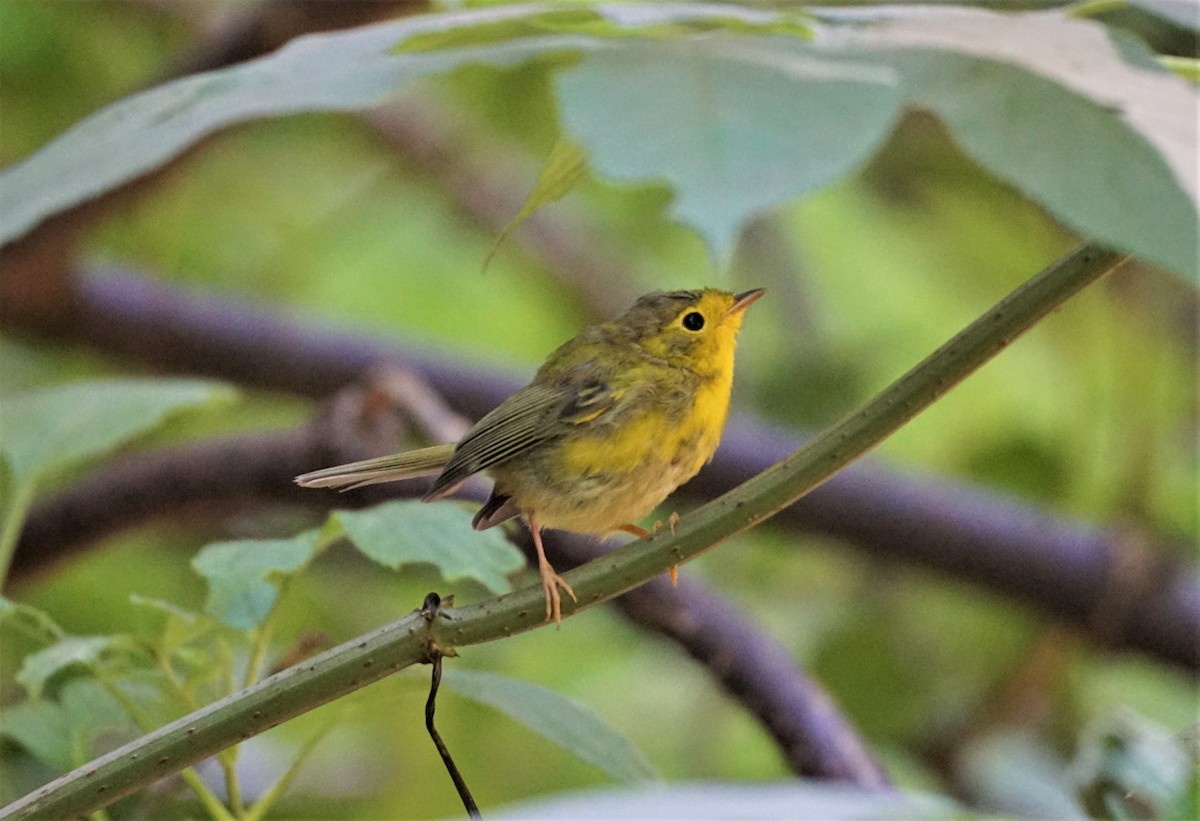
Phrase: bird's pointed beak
(742, 301)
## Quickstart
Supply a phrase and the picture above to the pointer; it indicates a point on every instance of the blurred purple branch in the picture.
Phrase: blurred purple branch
(1098, 579)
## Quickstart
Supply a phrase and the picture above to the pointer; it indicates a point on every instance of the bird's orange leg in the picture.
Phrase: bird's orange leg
(551, 581)
(642, 533)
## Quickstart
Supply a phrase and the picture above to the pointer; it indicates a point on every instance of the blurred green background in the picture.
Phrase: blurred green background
(1092, 415)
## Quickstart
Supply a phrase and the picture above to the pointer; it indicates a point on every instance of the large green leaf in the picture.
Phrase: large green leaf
(243, 576)
(1065, 151)
(568, 724)
(1077, 117)
(1080, 118)
(406, 532)
(733, 125)
(56, 427)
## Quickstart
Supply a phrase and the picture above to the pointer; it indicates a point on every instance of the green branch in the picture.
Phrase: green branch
(379, 653)
(764, 495)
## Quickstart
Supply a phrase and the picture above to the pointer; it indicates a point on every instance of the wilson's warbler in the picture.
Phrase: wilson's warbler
(615, 420)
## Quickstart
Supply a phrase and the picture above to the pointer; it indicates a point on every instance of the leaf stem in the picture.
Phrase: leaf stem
(381, 652)
(1186, 67)
(258, 651)
(272, 795)
(262, 641)
(227, 758)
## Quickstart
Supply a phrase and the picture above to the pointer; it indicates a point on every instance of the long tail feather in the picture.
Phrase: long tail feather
(408, 465)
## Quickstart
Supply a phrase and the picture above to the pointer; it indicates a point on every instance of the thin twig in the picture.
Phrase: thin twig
(490, 193)
(414, 398)
(430, 611)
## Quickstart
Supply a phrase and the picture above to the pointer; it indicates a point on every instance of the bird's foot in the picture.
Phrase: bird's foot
(642, 533)
(551, 584)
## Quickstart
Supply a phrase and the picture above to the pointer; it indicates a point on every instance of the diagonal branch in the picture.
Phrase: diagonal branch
(378, 653)
(1065, 568)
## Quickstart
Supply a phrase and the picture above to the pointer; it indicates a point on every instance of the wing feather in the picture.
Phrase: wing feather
(533, 415)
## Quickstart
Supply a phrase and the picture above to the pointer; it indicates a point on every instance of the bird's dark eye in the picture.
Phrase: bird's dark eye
(694, 321)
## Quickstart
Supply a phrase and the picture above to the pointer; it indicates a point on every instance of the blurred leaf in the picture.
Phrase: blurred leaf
(1127, 768)
(1113, 185)
(55, 427)
(61, 731)
(243, 576)
(733, 125)
(408, 532)
(92, 711)
(1080, 118)
(1185, 13)
(491, 32)
(43, 728)
(1022, 462)
(572, 726)
(794, 799)
(1013, 771)
(564, 171)
(70, 652)
(594, 23)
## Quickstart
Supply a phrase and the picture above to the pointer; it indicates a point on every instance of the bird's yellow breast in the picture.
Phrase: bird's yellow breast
(614, 475)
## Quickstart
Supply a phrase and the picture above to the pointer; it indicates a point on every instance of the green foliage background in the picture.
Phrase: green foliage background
(1092, 414)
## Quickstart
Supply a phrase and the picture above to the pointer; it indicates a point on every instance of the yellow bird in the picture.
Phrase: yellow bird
(611, 424)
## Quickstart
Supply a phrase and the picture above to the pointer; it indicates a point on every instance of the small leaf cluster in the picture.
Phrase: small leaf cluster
(88, 693)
